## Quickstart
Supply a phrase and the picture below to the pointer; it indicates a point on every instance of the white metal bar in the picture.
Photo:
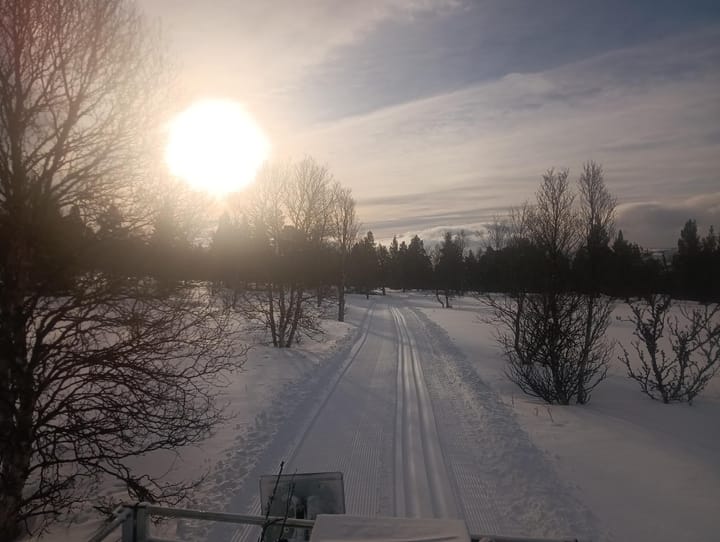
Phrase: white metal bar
(128, 526)
(142, 523)
(500, 538)
(135, 522)
(227, 518)
(121, 514)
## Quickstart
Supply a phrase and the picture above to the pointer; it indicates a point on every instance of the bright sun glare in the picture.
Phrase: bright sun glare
(216, 146)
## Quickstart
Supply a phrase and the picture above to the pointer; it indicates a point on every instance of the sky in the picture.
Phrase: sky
(441, 114)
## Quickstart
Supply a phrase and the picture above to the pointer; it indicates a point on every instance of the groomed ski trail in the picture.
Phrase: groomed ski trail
(376, 425)
(289, 435)
(422, 487)
(416, 433)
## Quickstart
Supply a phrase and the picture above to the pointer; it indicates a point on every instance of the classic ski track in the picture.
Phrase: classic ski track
(506, 482)
(242, 534)
(475, 500)
(422, 484)
(363, 462)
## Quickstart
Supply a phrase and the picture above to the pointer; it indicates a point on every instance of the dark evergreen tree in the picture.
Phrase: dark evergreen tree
(689, 241)
(450, 268)
(471, 272)
(687, 263)
(417, 268)
(394, 275)
(633, 272)
(384, 266)
(363, 269)
(402, 266)
(710, 265)
(710, 243)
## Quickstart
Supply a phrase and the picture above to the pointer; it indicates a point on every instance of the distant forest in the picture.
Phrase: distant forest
(512, 263)
(508, 262)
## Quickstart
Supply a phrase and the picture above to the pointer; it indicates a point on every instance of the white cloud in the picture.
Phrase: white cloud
(652, 124)
(648, 113)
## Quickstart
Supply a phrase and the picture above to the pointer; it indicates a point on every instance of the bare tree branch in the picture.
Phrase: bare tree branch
(693, 337)
(96, 365)
(345, 232)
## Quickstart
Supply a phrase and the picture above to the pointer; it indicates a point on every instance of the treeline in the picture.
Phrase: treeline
(66, 246)
(621, 268)
(241, 252)
(236, 255)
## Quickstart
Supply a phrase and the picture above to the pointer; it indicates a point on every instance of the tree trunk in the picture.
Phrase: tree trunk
(297, 314)
(341, 300)
(581, 392)
(284, 308)
(15, 469)
(271, 315)
(16, 411)
(10, 499)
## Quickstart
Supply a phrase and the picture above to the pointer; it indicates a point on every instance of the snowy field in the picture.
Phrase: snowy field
(645, 470)
(255, 399)
(410, 402)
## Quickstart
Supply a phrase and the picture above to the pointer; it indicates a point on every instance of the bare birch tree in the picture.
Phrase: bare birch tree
(345, 231)
(310, 203)
(519, 222)
(554, 223)
(597, 206)
(95, 369)
(551, 352)
(597, 217)
(291, 209)
(496, 233)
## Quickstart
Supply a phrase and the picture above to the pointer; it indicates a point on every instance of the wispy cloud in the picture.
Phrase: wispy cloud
(440, 114)
(648, 113)
(436, 52)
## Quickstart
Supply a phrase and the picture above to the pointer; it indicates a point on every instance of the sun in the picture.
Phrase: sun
(216, 146)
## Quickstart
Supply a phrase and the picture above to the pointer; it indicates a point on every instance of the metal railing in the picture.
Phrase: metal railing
(133, 522)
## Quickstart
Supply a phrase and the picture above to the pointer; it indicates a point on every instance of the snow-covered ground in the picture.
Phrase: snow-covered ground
(256, 400)
(646, 471)
(410, 402)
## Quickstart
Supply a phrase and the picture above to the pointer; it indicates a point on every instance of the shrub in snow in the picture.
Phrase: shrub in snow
(554, 343)
(693, 337)
(553, 337)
